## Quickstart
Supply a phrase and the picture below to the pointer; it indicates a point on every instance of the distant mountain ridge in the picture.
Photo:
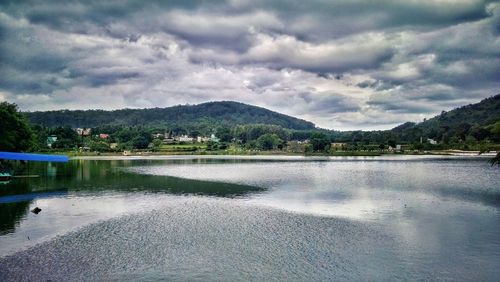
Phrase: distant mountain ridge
(470, 120)
(477, 120)
(224, 113)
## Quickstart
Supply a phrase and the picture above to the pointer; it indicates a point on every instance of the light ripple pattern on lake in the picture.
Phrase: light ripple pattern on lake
(210, 239)
(258, 218)
(361, 188)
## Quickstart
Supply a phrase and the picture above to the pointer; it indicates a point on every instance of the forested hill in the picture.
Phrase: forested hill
(479, 121)
(210, 114)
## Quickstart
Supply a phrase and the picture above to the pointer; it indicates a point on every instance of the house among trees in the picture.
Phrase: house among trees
(51, 140)
(168, 137)
(184, 138)
(213, 138)
(83, 131)
(104, 136)
(157, 135)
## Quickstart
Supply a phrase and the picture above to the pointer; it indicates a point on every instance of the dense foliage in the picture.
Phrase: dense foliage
(203, 118)
(469, 124)
(236, 125)
(15, 133)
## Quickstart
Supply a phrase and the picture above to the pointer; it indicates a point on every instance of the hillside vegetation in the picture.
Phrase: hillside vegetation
(245, 127)
(474, 122)
(190, 117)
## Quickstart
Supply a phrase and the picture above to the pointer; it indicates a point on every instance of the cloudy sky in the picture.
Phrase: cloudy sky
(348, 64)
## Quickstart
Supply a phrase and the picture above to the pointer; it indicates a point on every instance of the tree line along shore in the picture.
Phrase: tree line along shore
(437, 135)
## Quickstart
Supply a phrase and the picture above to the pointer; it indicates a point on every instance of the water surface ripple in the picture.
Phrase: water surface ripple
(239, 219)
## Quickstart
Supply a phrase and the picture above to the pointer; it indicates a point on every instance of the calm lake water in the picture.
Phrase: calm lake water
(253, 218)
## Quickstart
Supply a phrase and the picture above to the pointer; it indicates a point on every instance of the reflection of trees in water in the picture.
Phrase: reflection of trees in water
(11, 214)
(16, 186)
(11, 167)
(100, 175)
(94, 177)
(91, 176)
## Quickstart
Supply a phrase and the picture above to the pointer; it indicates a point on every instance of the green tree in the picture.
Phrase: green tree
(40, 138)
(126, 134)
(16, 134)
(308, 148)
(223, 145)
(156, 144)
(66, 137)
(140, 142)
(224, 134)
(392, 143)
(320, 142)
(418, 146)
(212, 146)
(99, 146)
(269, 141)
(495, 131)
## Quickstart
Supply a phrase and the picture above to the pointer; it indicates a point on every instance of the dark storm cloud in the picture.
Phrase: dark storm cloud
(323, 20)
(342, 64)
(26, 63)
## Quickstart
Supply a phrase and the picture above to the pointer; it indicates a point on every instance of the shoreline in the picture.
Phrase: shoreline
(74, 155)
(280, 157)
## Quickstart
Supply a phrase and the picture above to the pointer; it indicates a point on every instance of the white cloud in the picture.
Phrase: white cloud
(342, 65)
(360, 51)
(202, 24)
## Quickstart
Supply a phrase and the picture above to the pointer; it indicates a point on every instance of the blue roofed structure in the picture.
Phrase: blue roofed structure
(32, 157)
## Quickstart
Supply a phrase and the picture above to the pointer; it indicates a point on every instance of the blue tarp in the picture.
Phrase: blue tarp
(32, 157)
(32, 196)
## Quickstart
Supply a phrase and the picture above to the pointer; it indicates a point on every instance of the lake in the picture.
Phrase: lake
(253, 218)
